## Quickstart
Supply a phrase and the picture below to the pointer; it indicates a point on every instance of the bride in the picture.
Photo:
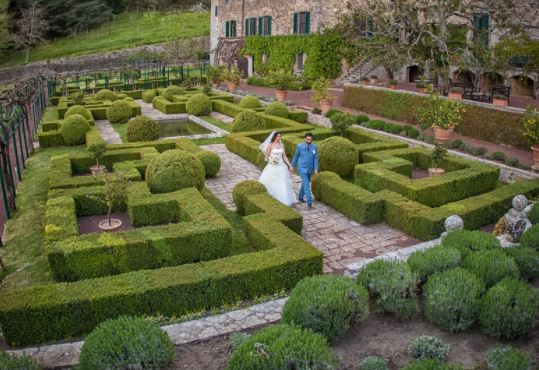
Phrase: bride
(275, 176)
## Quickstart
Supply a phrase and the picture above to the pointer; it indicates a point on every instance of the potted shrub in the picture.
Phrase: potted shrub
(393, 84)
(281, 79)
(364, 80)
(374, 79)
(500, 100)
(96, 151)
(115, 190)
(421, 85)
(443, 115)
(531, 132)
(232, 77)
(437, 157)
(321, 95)
(456, 93)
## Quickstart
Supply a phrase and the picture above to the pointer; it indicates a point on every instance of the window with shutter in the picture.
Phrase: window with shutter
(296, 15)
(252, 30)
(481, 24)
(302, 22)
(246, 31)
(232, 28)
(260, 26)
(227, 29)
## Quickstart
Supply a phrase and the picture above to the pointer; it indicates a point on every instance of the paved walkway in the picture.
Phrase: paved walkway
(147, 109)
(221, 117)
(107, 132)
(342, 240)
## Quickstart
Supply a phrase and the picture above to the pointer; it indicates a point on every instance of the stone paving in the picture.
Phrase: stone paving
(147, 109)
(342, 240)
(221, 117)
(107, 132)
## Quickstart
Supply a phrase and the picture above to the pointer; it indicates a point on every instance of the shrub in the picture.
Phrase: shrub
(330, 113)
(361, 118)
(126, 343)
(338, 155)
(237, 339)
(452, 298)
(533, 216)
(376, 124)
(142, 128)
(73, 129)
(512, 162)
(283, 347)
(171, 91)
(277, 109)
(498, 156)
(326, 304)
(392, 128)
(250, 102)
(105, 94)
(479, 151)
(10, 362)
(210, 161)
(119, 112)
(174, 170)
(466, 241)
(199, 105)
(507, 358)
(509, 309)
(148, 96)
(79, 109)
(128, 99)
(455, 144)
(431, 364)
(247, 121)
(316, 111)
(427, 346)
(244, 188)
(433, 260)
(373, 363)
(491, 266)
(527, 260)
(393, 284)
(341, 121)
(531, 238)
(411, 131)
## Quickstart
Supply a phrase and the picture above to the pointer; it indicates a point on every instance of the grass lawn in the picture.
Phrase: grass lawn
(218, 123)
(126, 31)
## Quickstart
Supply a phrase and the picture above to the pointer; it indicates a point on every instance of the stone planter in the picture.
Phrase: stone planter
(114, 224)
(325, 105)
(535, 152)
(97, 170)
(232, 86)
(442, 135)
(499, 102)
(436, 172)
(281, 95)
(455, 96)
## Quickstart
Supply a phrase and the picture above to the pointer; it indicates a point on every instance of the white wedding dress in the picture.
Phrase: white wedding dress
(276, 178)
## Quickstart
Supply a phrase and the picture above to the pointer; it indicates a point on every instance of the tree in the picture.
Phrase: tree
(30, 28)
(4, 24)
(115, 190)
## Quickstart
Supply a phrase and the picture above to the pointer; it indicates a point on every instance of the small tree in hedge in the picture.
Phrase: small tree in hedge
(438, 155)
(97, 150)
(115, 190)
(341, 121)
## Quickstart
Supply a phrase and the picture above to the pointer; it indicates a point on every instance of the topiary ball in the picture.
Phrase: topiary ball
(248, 121)
(491, 266)
(433, 260)
(339, 155)
(105, 94)
(283, 347)
(199, 105)
(171, 91)
(531, 238)
(126, 343)
(142, 128)
(73, 129)
(527, 260)
(119, 112)
(147, 96)
(210, 161)
(373, 363)
(11, 362)
(326, 304)
(507, 358)
(79, 109)
(244, 188)
(467, 241)
(431, 364)
(393, 284)
(174, 170)
(509, 309)
(452, 299)
(250, 102)
(277, 109)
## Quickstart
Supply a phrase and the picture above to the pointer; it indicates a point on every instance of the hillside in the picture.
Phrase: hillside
(127, 30)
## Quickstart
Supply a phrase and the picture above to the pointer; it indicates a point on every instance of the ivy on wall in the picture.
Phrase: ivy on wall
(323, 53)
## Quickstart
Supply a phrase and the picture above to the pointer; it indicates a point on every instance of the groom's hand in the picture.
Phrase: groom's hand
(315, 172)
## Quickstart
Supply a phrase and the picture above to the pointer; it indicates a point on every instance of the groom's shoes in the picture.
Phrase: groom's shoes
(310, 205)
(302, 200)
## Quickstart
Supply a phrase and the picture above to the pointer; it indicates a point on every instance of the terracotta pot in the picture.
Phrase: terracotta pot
(374, 81)
(442, 135)
(455, 96)
(216, 84)
(499, 102)
(232, 86)
(281, 95)
(114, 224)
(421, 90)
(364, 82)
(393, 87)
(97, 170)
(325, 105)
(436, 172)
(535, 152)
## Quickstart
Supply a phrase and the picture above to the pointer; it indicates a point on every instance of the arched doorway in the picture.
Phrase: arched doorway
(463, 77)
(490, 79)
(413, 73)
(243, 66)
(522, 85)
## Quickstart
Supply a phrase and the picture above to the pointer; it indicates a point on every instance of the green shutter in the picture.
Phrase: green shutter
(227, 29)
(254, 25)
(232, 28)
(260, 26)
(269, 26)
(295, 23)
(246, 30)
(307, 23)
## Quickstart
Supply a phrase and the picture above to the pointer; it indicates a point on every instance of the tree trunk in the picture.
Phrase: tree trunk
(27, 54)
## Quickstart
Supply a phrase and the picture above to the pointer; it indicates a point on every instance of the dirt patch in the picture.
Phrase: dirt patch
(419, 173)
(89, 224)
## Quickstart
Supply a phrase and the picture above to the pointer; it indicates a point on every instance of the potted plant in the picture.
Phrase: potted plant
(421, 85)
(115, 190)
(364, 80)
(531, 132)
(321, 94)
(215, 75)
(437, 157)
(281, 79)
(393, 84)
(232, 77)
(443, 115)
(456, 93)
(374, 79)
(96, 151)
(499, 100)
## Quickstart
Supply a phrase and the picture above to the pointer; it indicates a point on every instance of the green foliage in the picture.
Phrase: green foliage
(533, 216)
(392, 128)
(78, 109)
(491, 266)
(283, 346)
(393, 284)
(5, 25)
(426, 346)
(527, 260)
(147, 96)
(125, 343)
(321, 90)
(361, 118)
(299, 83)
(105, 94)
(326, 304)
(439, 154)
(211, 162)
(333, 111)
(277, 109)
(498, 156)
(509, 309)
(341, 121)
(244, 188)
(247, 121)
(237, 339)
(199, 105)
(215, 73)
(431, 364)
(466, 241)
(171, 91)
(250, 102)
(434, 260)
(119, 112)
(142, 128)
(73, 129)
(96, 150)
(174, 170)
(531, 238)
(114, 190)
(411, 131)
(531, 125)
(452, 299)
(281, 78)
(232, 75)
(11, 362)
(440, 112)
(338, 155)
(507, 358)
(376, 124)
(373, 363)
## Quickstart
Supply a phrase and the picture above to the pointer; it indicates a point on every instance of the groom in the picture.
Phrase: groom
(306, 158)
